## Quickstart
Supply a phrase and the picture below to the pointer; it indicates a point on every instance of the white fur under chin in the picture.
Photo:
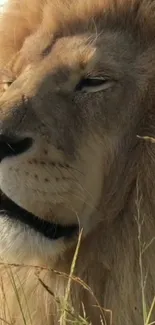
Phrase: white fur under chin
(21, 244)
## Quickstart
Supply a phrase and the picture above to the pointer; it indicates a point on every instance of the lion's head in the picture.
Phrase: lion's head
(77, 121)
(75, 88)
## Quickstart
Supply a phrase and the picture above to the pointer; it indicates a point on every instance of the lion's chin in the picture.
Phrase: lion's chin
(25, 239)
(50, 230)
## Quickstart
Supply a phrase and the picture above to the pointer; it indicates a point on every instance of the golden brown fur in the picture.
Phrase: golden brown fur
(87, 165)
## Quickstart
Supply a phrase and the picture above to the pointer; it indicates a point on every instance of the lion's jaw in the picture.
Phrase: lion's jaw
(58, 195)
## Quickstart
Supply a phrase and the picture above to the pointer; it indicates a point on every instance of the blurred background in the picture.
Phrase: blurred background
(1, 3)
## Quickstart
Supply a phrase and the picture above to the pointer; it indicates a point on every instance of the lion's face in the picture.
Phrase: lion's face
(64, 115)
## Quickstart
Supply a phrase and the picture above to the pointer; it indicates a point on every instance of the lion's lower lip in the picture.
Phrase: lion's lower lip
(10, 146)
(48, 229)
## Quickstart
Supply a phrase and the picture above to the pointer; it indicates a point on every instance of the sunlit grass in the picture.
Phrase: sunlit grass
(67, 313)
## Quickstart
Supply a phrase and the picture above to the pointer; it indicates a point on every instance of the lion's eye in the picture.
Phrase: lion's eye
(93, 84)
(7, 84)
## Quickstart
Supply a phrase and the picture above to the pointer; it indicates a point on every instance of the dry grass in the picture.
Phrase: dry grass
(68, 314)
(147, 311)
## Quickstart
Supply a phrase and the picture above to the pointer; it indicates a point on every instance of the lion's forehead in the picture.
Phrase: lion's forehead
(64, 57)
(73, 57)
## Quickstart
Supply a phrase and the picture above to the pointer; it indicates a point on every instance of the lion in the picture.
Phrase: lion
(77, 162)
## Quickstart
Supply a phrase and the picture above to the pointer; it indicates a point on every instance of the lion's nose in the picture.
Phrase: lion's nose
(12, 146)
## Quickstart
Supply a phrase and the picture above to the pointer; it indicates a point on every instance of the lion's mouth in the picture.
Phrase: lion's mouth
(48, 229)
